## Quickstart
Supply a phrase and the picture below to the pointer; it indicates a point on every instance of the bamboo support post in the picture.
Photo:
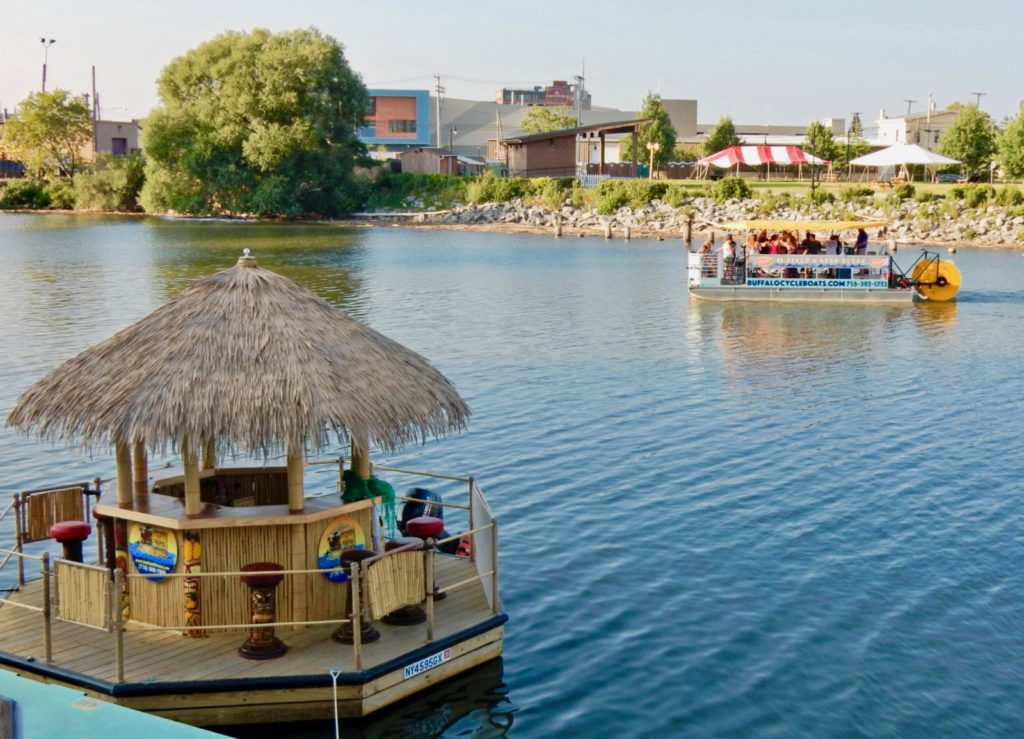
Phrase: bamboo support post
(558, 226)
(495, 605)
(296, 491)
(360, 460)
(117, 621)
(193, 503)
(47, 620)
(123, 457)
(608, 230)
(428, 577)
(209, 460)
(627, 233)
(355, 573)
(140, 471)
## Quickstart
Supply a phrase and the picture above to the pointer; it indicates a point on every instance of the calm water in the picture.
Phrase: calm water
(717, 519)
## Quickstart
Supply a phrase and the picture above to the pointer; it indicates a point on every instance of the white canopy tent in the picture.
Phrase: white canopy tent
(901, 155)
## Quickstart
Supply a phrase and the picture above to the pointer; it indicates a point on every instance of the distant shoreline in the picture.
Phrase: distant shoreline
(409, 222)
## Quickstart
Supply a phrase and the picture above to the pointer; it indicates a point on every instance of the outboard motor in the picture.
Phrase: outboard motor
(427, 503)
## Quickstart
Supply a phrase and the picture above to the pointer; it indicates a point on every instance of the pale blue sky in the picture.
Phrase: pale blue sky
(782, 62)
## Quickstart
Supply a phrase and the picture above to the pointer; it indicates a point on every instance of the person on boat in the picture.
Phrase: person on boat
(835, 246)
(707, 247)
(813, 245)
(860, 246)
(729, 256)
(775, 246)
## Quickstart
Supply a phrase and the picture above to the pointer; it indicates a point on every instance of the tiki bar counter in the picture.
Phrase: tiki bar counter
(216, 593)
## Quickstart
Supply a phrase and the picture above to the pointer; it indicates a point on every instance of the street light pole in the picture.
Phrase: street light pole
(652, 146)
(47, 43)
(452, 130)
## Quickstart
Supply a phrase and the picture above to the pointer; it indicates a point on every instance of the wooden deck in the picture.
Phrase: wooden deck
(204, 681)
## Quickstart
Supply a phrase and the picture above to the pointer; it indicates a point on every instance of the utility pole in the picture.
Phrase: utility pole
(909, 103)
(977, 98)
(440, 99)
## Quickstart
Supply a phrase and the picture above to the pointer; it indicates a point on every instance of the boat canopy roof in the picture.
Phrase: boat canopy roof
(780, 225)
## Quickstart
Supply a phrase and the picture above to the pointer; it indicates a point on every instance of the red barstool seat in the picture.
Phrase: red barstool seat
(70, 531)
(403, 541)
(424, 527)
(267, 577)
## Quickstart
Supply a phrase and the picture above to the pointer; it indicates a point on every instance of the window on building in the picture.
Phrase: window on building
(371, 109)
(118, 147)
(401, 126)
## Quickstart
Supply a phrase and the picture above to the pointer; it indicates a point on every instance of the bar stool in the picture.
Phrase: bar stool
(406, 615)
(345, 634)
(427, 528)
(262, 644)
(71, 534)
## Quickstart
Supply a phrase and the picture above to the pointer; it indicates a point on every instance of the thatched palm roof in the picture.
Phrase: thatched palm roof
(250, 359)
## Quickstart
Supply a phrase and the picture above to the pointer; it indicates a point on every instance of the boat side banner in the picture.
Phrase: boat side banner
(824, 282)
(819, 261)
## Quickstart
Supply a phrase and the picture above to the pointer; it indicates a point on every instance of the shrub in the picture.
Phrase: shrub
(676, 195)
(113, 185)
(731, 188)
(1009, 195)
(61, 194)
(976, 195)
(957, 192)
(817, 197)
(855, 193)
(395, 190)
(905, 190)
(611, 195)
(927, 197)
(970, 233)
(25, 193)
(489, 188)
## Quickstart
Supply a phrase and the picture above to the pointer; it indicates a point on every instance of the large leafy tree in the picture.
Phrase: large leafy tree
(722, 136)
(50, 132)
(541, 119)
(256, 123)
(971, 138)
(658, 131)
(1011, 147)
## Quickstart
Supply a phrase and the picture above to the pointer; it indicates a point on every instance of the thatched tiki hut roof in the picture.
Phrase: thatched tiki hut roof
(246, 360)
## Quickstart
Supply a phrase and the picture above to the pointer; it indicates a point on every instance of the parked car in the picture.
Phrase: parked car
(947, 177)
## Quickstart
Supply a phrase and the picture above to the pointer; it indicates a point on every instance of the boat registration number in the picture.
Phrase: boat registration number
(427, 663)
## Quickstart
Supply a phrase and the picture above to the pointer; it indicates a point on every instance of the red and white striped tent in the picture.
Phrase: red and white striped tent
(755, 156)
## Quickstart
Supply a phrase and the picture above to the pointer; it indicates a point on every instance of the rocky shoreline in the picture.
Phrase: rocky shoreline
(910, 221)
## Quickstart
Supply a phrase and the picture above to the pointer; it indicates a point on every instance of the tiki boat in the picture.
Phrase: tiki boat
(870, 277)
(216, 594)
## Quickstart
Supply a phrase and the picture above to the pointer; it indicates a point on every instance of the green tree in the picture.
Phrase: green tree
(971, 138)
(819, 142)
(722, 136)
(659, 132)
(1011, 147)
(541, 119)
(854, 146)
(113, 184)
(256, 123)
(50, 132)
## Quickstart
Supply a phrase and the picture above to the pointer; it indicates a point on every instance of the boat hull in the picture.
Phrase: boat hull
(741, 293)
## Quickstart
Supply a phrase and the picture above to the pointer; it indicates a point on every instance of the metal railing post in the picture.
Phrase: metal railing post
(495, 605)
(472, 525)
(18, 536)
(47, 619)
(117, 621)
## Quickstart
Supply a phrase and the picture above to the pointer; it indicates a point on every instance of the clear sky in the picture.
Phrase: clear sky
(786, 62)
